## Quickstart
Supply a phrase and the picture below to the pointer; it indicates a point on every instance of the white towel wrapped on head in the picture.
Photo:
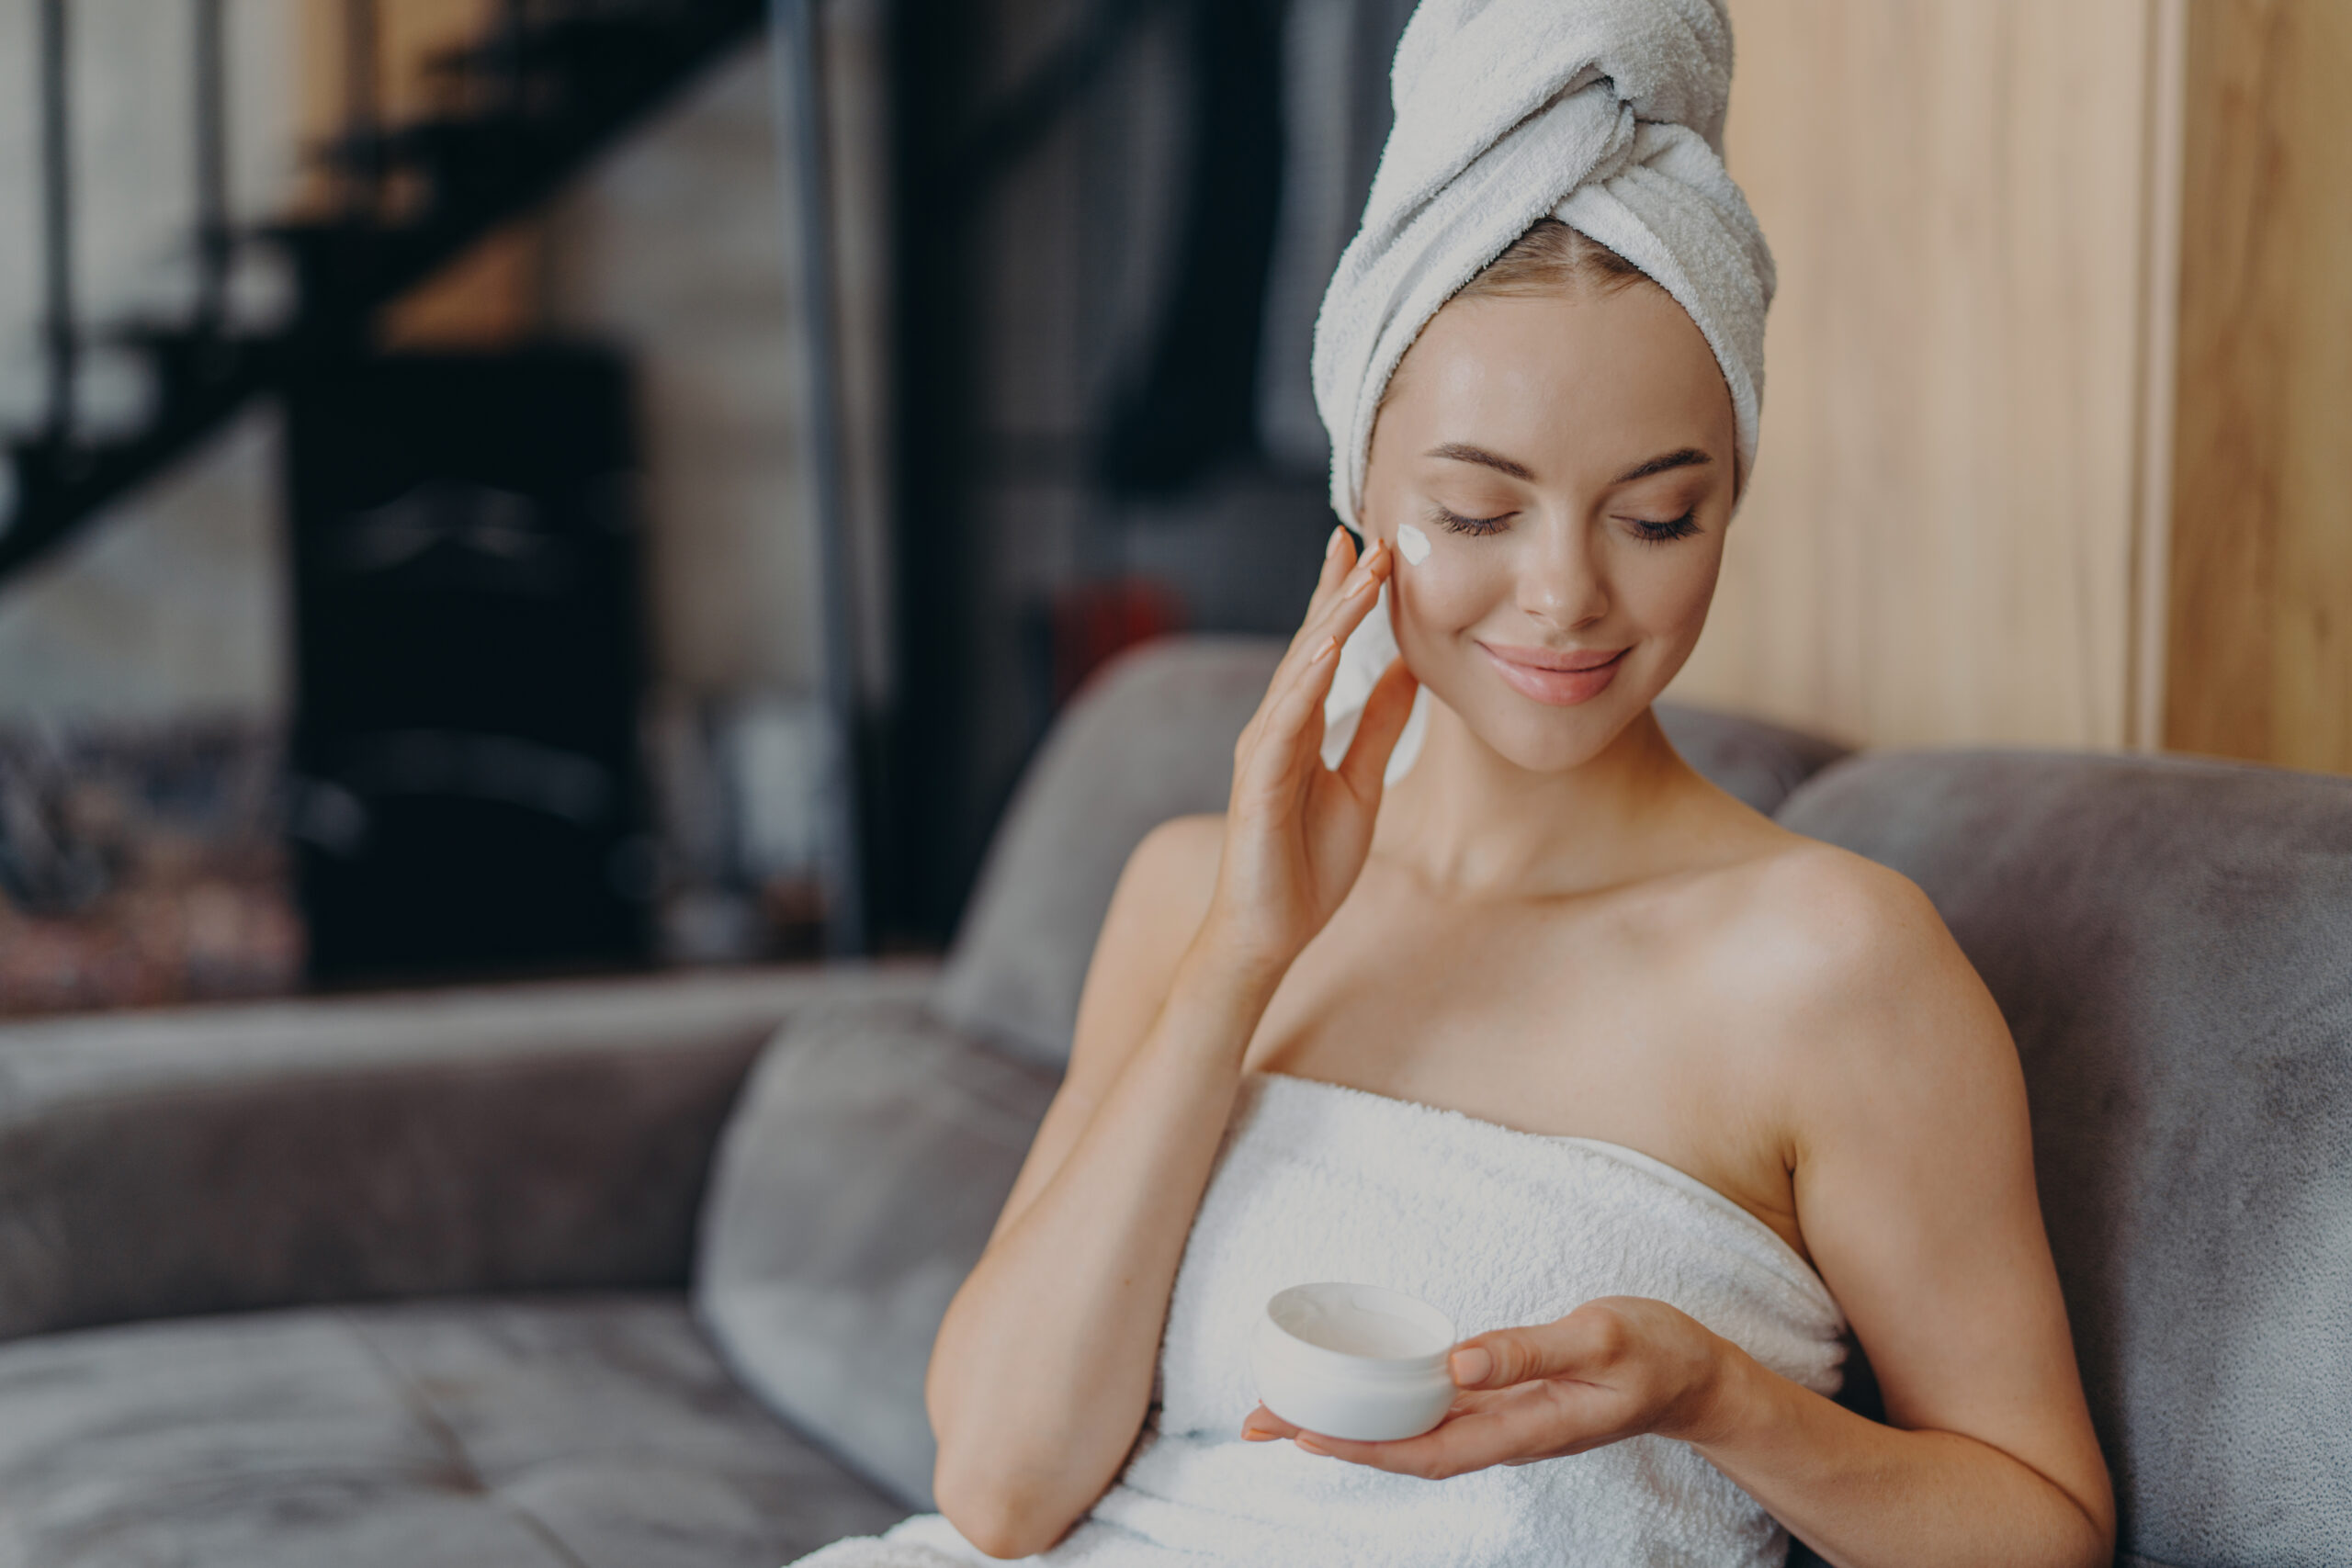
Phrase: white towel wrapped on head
(1605, 114)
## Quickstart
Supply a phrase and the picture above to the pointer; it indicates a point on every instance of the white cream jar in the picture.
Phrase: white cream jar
(1353, 1361)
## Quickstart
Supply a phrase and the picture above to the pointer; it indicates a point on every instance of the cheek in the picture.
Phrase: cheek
(1666, 589)
(1452, 588)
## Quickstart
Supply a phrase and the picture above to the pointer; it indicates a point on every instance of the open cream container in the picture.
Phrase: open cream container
(1353, 1361)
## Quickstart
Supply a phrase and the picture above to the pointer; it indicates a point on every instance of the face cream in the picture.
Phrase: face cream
(1413, 544)
(1353, 1361)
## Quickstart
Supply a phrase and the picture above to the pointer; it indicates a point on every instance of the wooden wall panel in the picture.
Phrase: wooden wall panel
(1939, 544)
(2260, 622)
(489, 297)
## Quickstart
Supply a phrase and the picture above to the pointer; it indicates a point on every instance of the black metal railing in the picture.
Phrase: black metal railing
(520, 110)
(61, 340)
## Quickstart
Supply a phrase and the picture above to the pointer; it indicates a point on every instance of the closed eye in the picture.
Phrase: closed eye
(1454, 522)
(1656, 532)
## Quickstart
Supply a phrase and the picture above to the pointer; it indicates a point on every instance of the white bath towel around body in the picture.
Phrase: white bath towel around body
(1495, 1227)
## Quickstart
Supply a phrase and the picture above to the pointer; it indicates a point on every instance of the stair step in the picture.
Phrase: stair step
(554, 48)
(187, 357)
(418, 144)
(584, 79)
(44, 463)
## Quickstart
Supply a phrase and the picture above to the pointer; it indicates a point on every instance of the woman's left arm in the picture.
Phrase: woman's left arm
(1912, 1166)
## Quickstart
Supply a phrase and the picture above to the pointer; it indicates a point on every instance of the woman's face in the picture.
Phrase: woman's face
(1570, 459)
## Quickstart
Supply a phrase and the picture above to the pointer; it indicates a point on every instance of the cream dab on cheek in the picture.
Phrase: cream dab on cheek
(1413, 544)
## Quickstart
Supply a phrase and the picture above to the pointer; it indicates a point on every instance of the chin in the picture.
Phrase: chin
(1544, 740)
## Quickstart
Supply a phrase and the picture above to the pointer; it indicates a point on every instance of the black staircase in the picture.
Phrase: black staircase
(518, 113)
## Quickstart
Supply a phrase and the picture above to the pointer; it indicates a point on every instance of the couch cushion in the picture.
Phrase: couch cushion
(2171, 942)
(1758, 762)
(856, 1184)
(1150, 739)
(510, 1138)
(592, 1432)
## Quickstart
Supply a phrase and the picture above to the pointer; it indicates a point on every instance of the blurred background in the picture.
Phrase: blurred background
(510, 487)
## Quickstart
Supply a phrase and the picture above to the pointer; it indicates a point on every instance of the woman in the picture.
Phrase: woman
(1516, 1012)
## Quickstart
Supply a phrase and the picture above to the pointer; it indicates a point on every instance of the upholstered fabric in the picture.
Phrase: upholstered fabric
(1759, 762)
(592, 1432)
(218, 1159)
(857, 1183)
(1150, 739)
(2171, 941)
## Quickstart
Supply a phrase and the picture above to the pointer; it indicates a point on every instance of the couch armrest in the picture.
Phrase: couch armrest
(525, 1138)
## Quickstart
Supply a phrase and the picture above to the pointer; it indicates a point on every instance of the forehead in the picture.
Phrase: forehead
(1571, 385)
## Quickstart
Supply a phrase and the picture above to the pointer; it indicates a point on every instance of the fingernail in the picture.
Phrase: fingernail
(1330, 645)
(1311, 1446)
(1332, 545)
(1473, 1367)
(1256, 1435)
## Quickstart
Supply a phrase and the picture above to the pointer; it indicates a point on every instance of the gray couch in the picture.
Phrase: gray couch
(643, 1272)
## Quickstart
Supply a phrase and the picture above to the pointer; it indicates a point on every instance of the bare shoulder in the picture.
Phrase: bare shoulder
(1856, 922)
(1885, 1063)
(1864, 979)
(1172, 873)
(1158, 907)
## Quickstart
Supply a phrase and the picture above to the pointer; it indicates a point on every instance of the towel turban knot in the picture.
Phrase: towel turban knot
(1607, 115)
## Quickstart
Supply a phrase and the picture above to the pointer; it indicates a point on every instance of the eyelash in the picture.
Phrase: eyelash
(1650, 533)
(1454, 523)
(1682, 527)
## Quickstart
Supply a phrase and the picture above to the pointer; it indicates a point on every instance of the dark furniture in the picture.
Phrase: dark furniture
(467, 676)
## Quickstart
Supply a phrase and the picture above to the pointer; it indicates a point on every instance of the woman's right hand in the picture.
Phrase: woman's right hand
(1296, 832)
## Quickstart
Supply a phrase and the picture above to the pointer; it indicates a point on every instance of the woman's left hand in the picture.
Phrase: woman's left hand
(1612, 1369)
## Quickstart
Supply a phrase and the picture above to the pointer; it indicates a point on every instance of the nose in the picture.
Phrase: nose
(1561, 581)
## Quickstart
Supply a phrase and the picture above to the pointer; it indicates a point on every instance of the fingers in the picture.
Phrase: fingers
(1512, 1428)
(1264, 1427)
(1339, 561)
(1588, 1338)
(1341, 608)
(1290, 723)
(1365, 766)
(1294, 700)
(1345, 589)
(1526, 1397)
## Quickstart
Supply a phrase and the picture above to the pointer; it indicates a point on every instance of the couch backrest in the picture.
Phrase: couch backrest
(1150, 739)
(2171, 941)
(1760, 762)
(230, 1158)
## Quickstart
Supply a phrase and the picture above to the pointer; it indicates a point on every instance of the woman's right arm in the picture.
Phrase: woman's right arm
(1042, 1375)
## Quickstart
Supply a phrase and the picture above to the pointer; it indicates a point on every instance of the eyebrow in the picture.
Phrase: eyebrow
(1461, 452)
(1688, 457)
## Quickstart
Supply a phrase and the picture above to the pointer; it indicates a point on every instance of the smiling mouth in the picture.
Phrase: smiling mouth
(1556, 680)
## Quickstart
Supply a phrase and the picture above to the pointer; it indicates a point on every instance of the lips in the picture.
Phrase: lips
(1562, 680)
